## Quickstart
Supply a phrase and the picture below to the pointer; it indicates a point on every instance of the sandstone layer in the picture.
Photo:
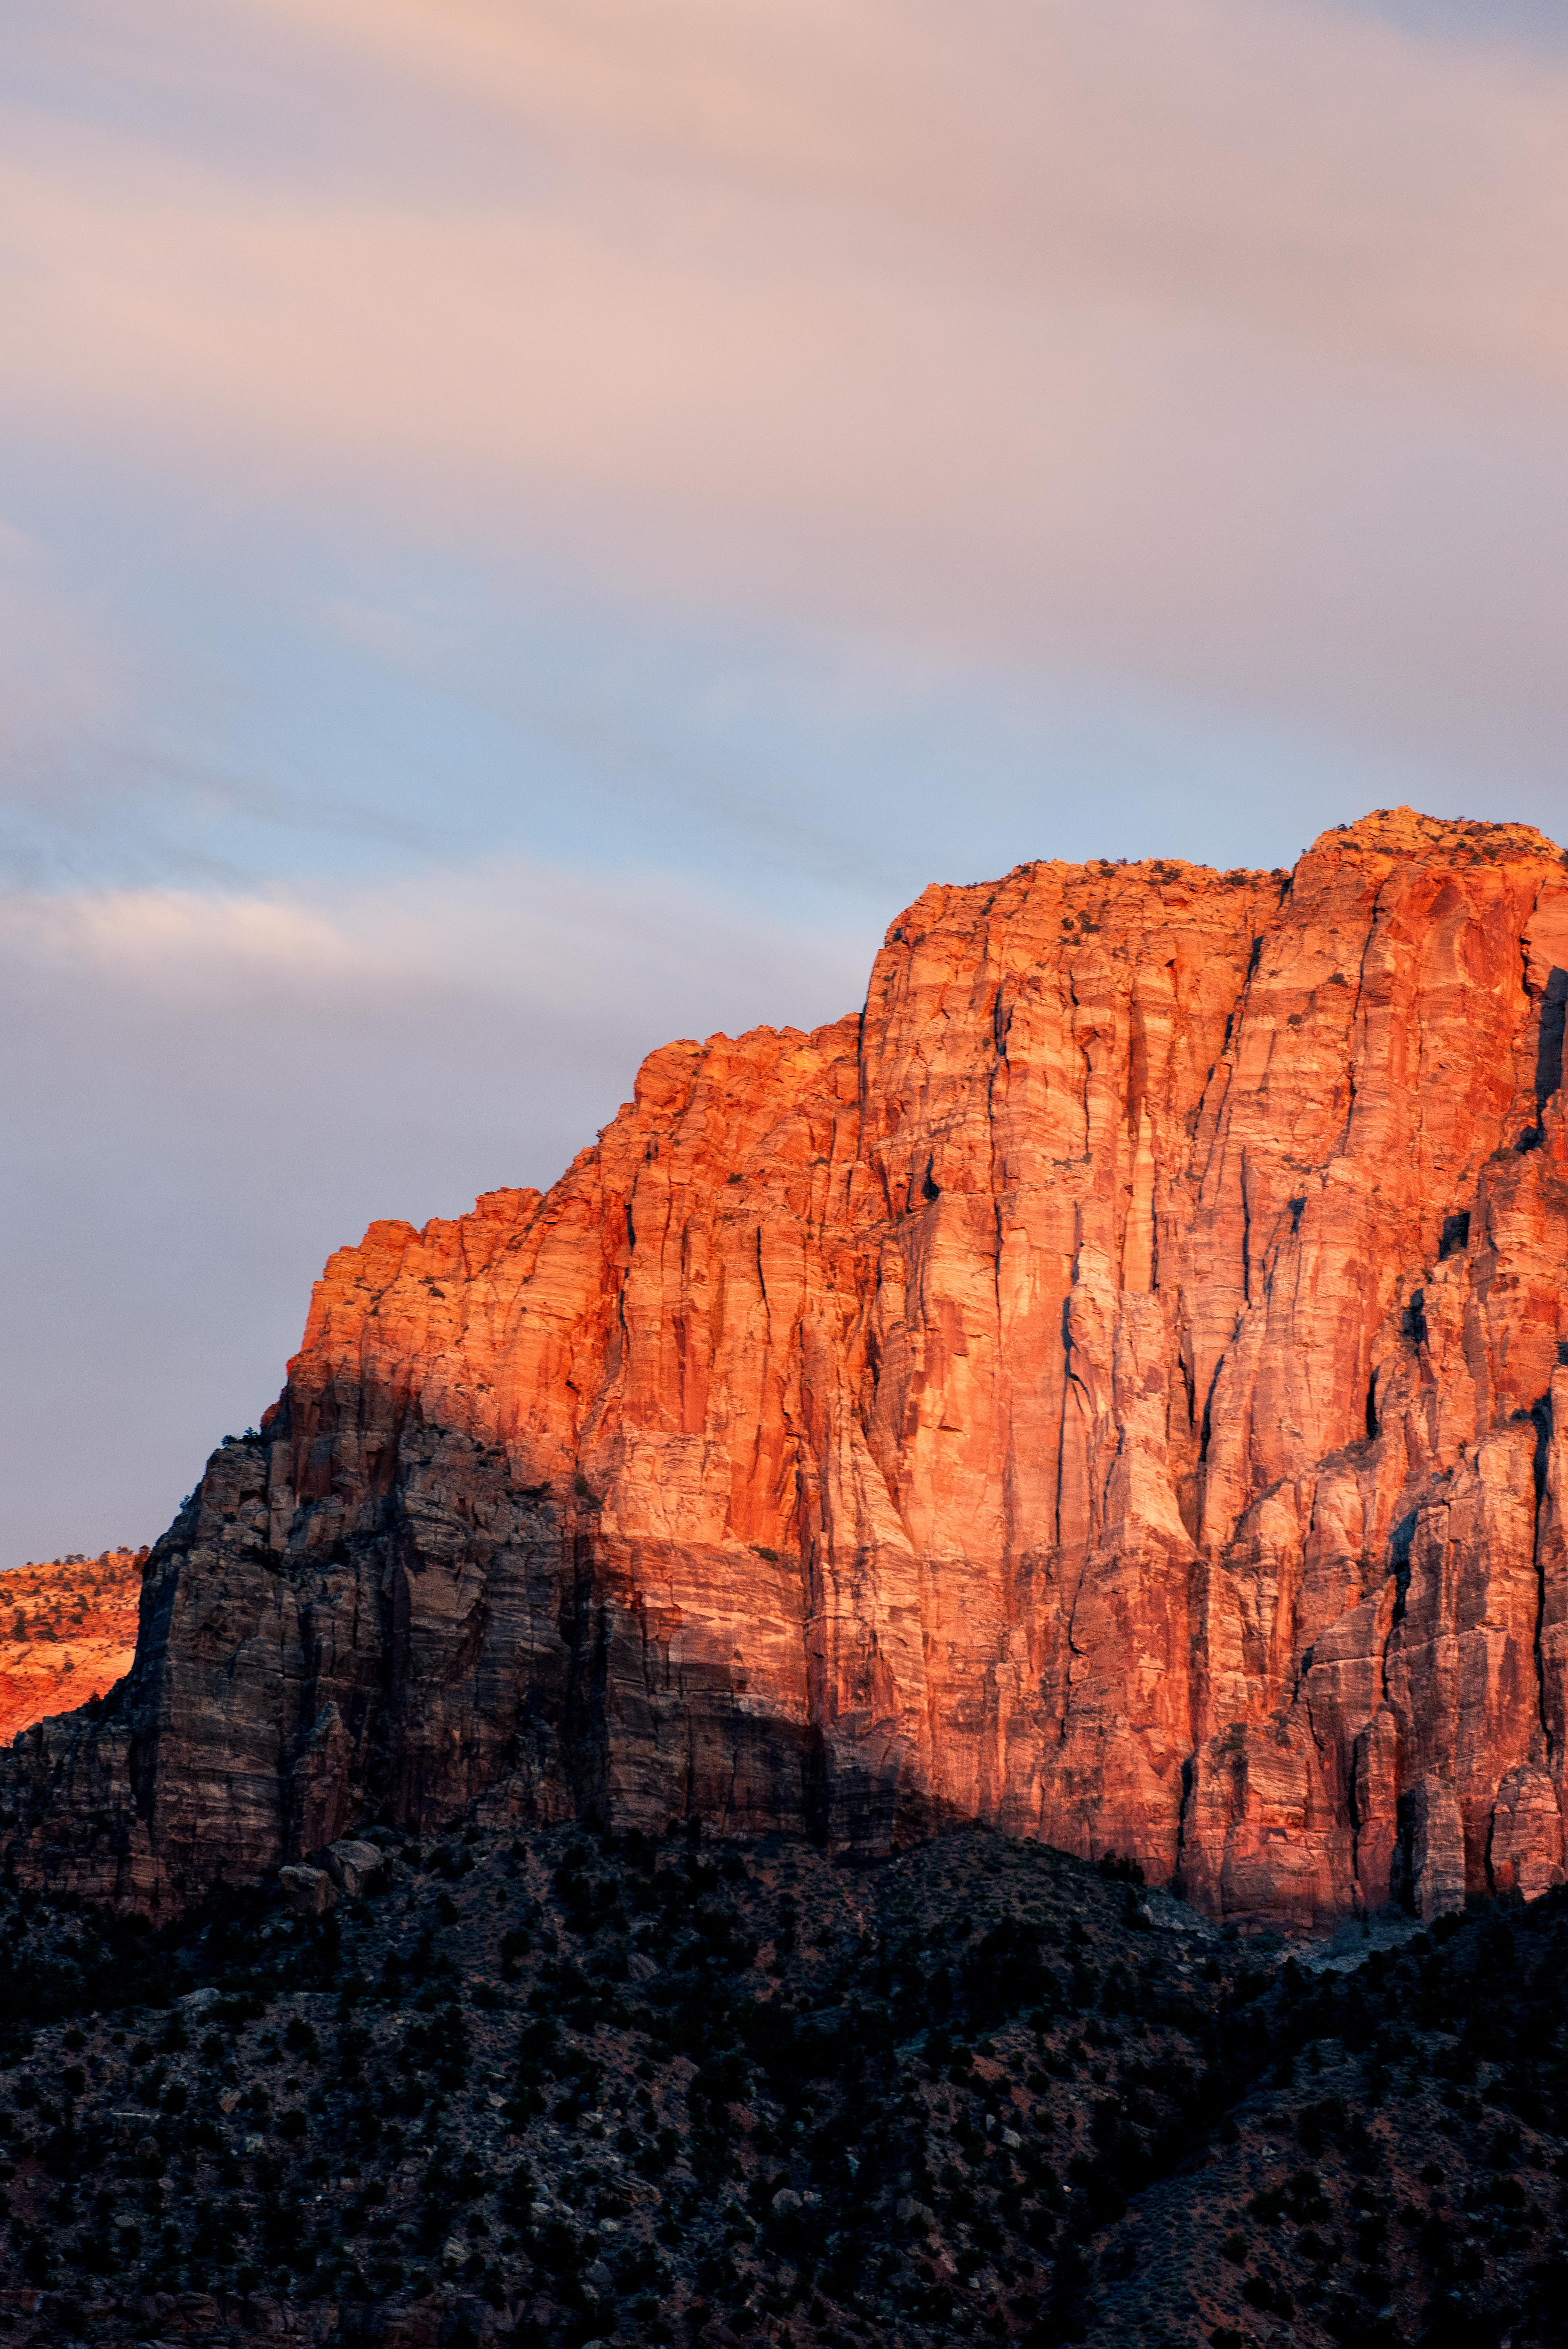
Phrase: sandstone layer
(68, 1633)
(1114, 1388)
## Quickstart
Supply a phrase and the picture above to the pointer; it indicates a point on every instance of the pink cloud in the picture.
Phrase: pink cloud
(1150, 333)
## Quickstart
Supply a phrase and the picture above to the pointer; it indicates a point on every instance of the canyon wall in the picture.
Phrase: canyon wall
(1113, 1387)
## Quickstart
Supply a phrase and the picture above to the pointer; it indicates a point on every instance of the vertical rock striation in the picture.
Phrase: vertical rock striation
(1112, 1388)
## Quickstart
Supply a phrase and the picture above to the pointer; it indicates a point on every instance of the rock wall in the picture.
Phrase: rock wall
(1112, 1388)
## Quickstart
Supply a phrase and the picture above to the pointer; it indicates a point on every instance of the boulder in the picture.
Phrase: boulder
(309, 1891)
(356, 1868)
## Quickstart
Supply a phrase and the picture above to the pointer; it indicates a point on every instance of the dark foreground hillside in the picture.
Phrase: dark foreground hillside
(557, 2090)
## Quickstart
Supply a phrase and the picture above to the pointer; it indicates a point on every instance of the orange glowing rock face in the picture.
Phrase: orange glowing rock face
(68, 1633)
(1111, 1389)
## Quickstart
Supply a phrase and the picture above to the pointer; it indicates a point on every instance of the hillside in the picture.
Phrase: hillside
(555, 2088)
(68, 1633)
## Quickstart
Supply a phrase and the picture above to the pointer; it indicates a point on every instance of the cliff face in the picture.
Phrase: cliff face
(1112, 1388)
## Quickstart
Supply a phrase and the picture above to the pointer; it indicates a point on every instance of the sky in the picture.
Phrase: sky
(532, 527)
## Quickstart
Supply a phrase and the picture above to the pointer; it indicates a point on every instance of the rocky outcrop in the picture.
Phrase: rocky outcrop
(1111, 1388)
(68, 1633)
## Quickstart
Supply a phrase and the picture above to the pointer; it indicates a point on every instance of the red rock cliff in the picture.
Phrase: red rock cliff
(68, 1633)
(1110, 1387)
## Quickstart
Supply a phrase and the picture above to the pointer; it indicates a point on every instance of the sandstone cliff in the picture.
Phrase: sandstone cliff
(1113, 1387)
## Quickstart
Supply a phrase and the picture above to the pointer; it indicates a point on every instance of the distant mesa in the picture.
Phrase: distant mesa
(68, 1633)
(1115, 1386)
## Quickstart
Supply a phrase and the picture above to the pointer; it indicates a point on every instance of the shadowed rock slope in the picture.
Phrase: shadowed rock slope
(1111, 1389)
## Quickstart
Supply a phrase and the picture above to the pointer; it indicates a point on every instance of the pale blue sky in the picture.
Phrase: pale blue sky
(524, 530)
